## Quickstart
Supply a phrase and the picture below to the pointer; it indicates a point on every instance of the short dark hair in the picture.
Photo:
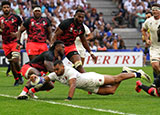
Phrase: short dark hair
(149, 13)
(58, 62)
(155, 4)
(5, 3)
(37, 6)
(55, 43)
(80, 10)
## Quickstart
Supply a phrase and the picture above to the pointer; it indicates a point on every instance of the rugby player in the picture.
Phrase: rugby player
(9, 24)
(38, 30)
(40, 65)
(67, 32)
(89, 81)
(153, 25)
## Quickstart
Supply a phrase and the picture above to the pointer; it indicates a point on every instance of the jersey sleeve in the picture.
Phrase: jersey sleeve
(72, 73)
(52, 76)
(48, 22)
(145, 25)
(19, 20)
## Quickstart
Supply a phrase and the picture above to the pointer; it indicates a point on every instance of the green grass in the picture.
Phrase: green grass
(125, 99)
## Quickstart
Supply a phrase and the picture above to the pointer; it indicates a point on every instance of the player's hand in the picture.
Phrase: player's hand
(33, 77)
(94, 57)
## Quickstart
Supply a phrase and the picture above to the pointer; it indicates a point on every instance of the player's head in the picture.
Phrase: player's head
(58, 67)
(6, 7)
(79, 16)
(148, 15)
(37, 12)
(156, 10)
(58, 47)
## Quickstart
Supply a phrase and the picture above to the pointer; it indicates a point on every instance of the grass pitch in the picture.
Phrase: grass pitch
(124, 101)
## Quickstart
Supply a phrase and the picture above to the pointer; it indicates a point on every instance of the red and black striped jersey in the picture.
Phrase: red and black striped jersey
(9, 24)
(37, 29)
(70, 31)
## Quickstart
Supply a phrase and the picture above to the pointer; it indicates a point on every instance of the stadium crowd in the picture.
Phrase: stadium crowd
(131, 14)
(58, 10)
(133, 11)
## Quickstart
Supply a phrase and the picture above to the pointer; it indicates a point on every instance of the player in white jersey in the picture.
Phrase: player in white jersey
(79, 46)
(89, 81)
(153, 24)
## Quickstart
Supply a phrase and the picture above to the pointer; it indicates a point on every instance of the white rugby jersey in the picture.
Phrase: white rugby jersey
(83, 80)
(153, 26)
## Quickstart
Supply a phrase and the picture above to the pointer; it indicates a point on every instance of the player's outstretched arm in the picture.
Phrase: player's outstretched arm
(72, 87)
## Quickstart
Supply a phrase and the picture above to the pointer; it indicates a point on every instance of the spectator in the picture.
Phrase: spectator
(118, 19)
(92, 46)
(140, 18)
(15, 7)
(138, 48)
(100, 47)
(122, 44)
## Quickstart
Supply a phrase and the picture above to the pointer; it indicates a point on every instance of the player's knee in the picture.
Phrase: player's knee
(15, 56)
(77, 64)
(156, 68)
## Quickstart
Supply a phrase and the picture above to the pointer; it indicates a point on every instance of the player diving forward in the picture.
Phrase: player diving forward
(42, 63)
(89, 81)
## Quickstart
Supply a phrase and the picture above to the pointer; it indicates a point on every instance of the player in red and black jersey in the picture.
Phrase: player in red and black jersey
(39, 30)
(67, 32)
(42, 64)
(9, 26)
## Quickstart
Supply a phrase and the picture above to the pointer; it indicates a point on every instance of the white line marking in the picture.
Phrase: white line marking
(74, 106)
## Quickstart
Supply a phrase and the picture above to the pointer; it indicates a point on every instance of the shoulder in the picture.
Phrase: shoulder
(70, 20)
(28, 19)
(66, 23)
(70, 70)
(47, 53)
(15, 15)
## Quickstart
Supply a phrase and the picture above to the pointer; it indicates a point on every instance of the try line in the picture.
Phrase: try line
(74, 106)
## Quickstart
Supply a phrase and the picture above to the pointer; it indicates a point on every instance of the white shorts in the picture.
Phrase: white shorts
(92, 82)
(80, 48)
(154, 54)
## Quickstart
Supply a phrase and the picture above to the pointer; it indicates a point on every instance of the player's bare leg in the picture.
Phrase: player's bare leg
(108, 89)
(76, 60)
(156, 69)
(108, 79)
(15, 68)
(82, 59)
